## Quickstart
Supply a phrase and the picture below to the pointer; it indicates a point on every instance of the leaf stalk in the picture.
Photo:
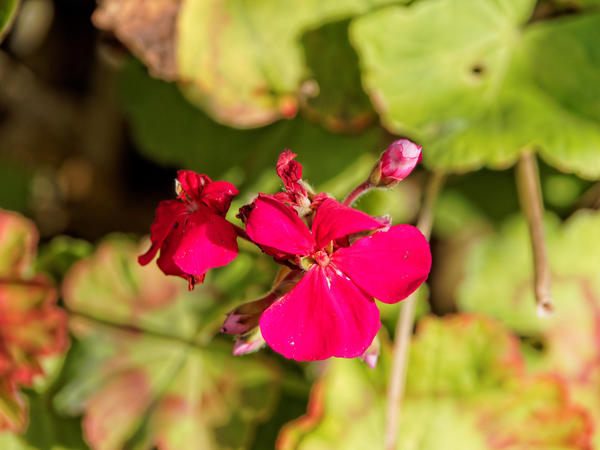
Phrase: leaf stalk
(404, 326)
(530, 197)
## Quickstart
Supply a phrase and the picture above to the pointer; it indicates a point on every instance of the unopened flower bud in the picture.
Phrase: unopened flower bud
(371, 355)
(246, 316)
(248, 343)
(396, 163)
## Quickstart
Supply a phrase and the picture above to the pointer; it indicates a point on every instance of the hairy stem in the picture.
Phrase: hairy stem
(530, 196)
(241, 232)
(404, 327)
(357, 192)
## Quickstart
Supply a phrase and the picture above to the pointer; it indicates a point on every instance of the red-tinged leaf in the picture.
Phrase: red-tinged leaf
(110, 286)
(110, 411)
(31, 325)
(18, 241)
(147, 375)
(499, 282)
(466, 390)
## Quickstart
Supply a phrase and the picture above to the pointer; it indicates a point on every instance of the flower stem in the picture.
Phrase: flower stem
(241, 232)
(530, 196)
(404, 326)
(357, 192)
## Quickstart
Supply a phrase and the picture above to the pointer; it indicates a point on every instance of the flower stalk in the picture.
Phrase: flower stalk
(241, 233)
(530, 197)
(357, 192)
(404, 326)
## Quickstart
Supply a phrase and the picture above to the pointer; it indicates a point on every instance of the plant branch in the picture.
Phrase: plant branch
(530, 197)
(357, 192)
(404, 326)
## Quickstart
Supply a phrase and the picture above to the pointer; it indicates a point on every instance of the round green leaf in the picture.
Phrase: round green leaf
(478, 86)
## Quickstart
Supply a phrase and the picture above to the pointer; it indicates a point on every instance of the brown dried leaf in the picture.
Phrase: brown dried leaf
(146, 27)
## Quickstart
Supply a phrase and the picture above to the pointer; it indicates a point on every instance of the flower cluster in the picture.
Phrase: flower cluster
(191, 231)
(336, 260)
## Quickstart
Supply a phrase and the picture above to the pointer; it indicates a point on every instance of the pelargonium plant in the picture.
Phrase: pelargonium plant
(336, 260)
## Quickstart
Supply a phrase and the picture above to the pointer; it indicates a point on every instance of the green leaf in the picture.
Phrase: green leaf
(426, 75)
(499, 282)
(8, 10)
(11, 441)
(57, 256)
(478, 86)
(146, 372)
(334, 96)
(49, 430)
(171, 131)
(562, 191)
(465, 390)
(242, 61)
(15, 183)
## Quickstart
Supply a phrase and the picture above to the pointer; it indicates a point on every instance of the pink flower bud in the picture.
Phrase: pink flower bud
(396, 163)
(246, 316)
(249, 343)
(371, 355)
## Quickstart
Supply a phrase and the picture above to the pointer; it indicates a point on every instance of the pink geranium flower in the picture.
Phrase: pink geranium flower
(331, 311)
(191, 231)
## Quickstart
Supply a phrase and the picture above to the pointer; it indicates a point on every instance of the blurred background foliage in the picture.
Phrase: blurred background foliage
(101, 103)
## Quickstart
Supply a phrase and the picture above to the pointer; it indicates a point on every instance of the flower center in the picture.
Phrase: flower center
(192, 206)
(321, 258)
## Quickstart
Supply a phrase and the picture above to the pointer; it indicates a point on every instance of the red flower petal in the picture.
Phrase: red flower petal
(273, 224)
(167, 251)
(167, 214)
(389, 265)
(334, 220)
(324, 315)
(207, 240)
(290, 172)
(192, 184)
(218, 195)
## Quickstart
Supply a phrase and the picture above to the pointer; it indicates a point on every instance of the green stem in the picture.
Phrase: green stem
(404, 327)
(530, 196)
